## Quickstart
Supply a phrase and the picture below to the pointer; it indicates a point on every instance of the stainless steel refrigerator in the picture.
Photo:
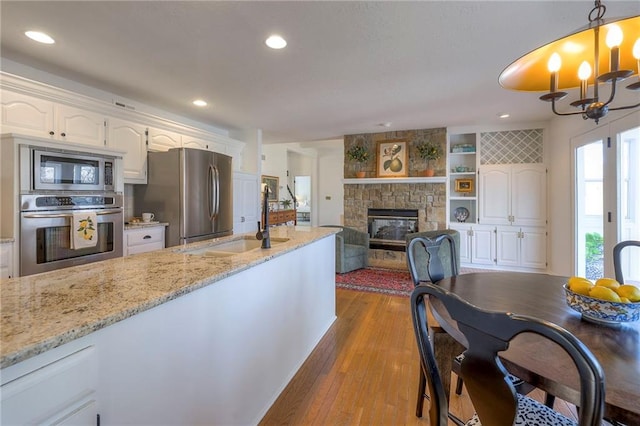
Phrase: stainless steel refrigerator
(192, 190)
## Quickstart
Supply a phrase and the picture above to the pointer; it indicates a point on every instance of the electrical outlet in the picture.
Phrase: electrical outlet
(327, 197)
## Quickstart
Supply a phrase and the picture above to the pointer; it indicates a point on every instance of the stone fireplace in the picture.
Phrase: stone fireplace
(426, 196)
(389, 227)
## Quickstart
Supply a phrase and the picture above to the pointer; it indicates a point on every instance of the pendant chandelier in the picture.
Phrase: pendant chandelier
(602, 54)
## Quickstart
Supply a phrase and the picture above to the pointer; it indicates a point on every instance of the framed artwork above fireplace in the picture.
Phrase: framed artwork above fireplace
(392, 158)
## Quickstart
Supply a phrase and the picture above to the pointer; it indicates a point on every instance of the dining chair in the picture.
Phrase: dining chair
(491, 392)
(617, 257)
(424, 259)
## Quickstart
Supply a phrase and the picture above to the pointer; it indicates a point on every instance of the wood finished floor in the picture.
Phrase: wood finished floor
(364, 370)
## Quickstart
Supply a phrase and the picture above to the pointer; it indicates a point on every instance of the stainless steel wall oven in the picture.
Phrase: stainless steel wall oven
(45, 230)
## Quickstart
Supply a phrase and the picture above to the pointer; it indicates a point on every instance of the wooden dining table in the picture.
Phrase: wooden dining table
(540, 362)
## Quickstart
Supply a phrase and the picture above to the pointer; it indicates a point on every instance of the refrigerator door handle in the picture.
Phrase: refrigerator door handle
(214, 192)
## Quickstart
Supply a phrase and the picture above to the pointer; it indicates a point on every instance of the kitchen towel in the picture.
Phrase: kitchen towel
(84, 230)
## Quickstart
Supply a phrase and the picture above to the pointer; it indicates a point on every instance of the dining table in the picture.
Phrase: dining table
(538, 361)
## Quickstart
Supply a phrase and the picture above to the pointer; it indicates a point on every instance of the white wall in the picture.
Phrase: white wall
(331, 189)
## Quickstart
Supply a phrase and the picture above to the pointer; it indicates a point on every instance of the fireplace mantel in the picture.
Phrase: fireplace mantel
(365, 181)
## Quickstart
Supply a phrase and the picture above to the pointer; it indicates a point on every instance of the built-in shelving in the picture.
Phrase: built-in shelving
(462, 173)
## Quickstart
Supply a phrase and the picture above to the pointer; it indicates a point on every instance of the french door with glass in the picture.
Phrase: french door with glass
(606, 164)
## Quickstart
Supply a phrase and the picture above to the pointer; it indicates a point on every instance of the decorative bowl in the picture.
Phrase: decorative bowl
(602, 311)
(461, 214)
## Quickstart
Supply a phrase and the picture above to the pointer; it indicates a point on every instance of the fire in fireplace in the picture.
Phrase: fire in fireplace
(388, 227)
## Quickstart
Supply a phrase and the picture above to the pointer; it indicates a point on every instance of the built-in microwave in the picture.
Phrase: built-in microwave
(60, 170)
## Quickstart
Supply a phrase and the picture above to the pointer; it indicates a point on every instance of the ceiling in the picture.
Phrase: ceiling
(347, 68)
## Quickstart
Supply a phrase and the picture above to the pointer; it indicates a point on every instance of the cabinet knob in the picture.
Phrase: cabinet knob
(63, 134)
(146, 237)
(51, 133)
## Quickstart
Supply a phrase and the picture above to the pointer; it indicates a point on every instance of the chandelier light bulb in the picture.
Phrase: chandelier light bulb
(614, 36)
(584, 72)
(555, 62)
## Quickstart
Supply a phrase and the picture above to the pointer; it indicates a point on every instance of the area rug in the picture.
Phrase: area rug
(395, 282)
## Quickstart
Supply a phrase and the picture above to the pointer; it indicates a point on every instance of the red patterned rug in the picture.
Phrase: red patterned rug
(379, 280)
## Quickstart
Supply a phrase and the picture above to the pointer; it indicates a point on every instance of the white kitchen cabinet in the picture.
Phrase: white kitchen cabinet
(142, 240)
(163, 140)
(26, 115)
(477, 243)
(79, 125)
(58, 387)
(246, 200)
(207, 145)
(6, 260)
(521, 247)
(513, 194)
(132, 139)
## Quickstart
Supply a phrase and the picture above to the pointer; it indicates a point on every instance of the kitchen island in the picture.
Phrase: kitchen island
(168, 337)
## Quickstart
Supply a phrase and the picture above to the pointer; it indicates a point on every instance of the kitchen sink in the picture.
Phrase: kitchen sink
(231, 248)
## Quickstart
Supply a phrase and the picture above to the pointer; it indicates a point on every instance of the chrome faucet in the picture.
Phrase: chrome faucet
(264, 233)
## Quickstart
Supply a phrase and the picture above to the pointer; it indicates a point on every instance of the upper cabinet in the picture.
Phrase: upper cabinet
(163, 140)
(513, 194)
(80, 126)
(32, 116)
(132, 139)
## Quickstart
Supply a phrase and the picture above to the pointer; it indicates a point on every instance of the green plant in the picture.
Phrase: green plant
(595, 246)
(358, 153)
(429, 151)
(286, 203)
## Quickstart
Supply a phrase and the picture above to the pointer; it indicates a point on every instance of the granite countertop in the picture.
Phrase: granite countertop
(138, 225)
(43, 311)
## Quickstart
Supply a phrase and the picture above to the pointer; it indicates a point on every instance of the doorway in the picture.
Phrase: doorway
(606, 164)
(302, 192)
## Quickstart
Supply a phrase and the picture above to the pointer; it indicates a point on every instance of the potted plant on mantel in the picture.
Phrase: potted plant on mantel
(429, 151)
(359, 154)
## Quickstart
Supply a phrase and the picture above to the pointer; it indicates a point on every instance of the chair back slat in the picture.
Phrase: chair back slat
(434, 267)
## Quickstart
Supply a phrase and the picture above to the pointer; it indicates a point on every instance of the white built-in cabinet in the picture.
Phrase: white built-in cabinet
(28, 115)
(143, 240)
(163, 140)
(245, 202)
(513, 194)
(6, 260)
(521, 247)
(477, 243)
(132, 139)
(506, 199)
(58, 387)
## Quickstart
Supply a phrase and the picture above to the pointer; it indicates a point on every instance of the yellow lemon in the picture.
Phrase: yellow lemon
(630, 292)
(582, 286)
(608, 283)
(576, 279)
(625, 300)
(604, 293)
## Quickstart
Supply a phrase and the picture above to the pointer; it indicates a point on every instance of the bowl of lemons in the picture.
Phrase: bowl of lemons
(605, 302)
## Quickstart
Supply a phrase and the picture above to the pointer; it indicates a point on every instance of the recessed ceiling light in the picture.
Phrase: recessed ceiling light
(39, 37)
(276, 42)
(503, 115)
(200, 103)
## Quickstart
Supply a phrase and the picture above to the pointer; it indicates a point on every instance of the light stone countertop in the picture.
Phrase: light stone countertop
(43, 311)
(140, 225)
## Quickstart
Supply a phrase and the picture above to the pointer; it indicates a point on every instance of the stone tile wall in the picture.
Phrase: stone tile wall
(428, 198)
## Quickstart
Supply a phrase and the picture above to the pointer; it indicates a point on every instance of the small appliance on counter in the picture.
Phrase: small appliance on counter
(190, 189)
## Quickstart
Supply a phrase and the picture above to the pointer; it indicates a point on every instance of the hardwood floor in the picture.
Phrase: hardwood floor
(364, 370)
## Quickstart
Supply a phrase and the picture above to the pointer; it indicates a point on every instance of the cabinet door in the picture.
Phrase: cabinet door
(508, 246)
(80, 126)
(465, 241)
(131, 138)
(495, 195)
(529, 194)
(189, 142)
(163, 140)
(533, 245)
(26, 115)
(484, 246)
(6, 260)
(245, 202)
